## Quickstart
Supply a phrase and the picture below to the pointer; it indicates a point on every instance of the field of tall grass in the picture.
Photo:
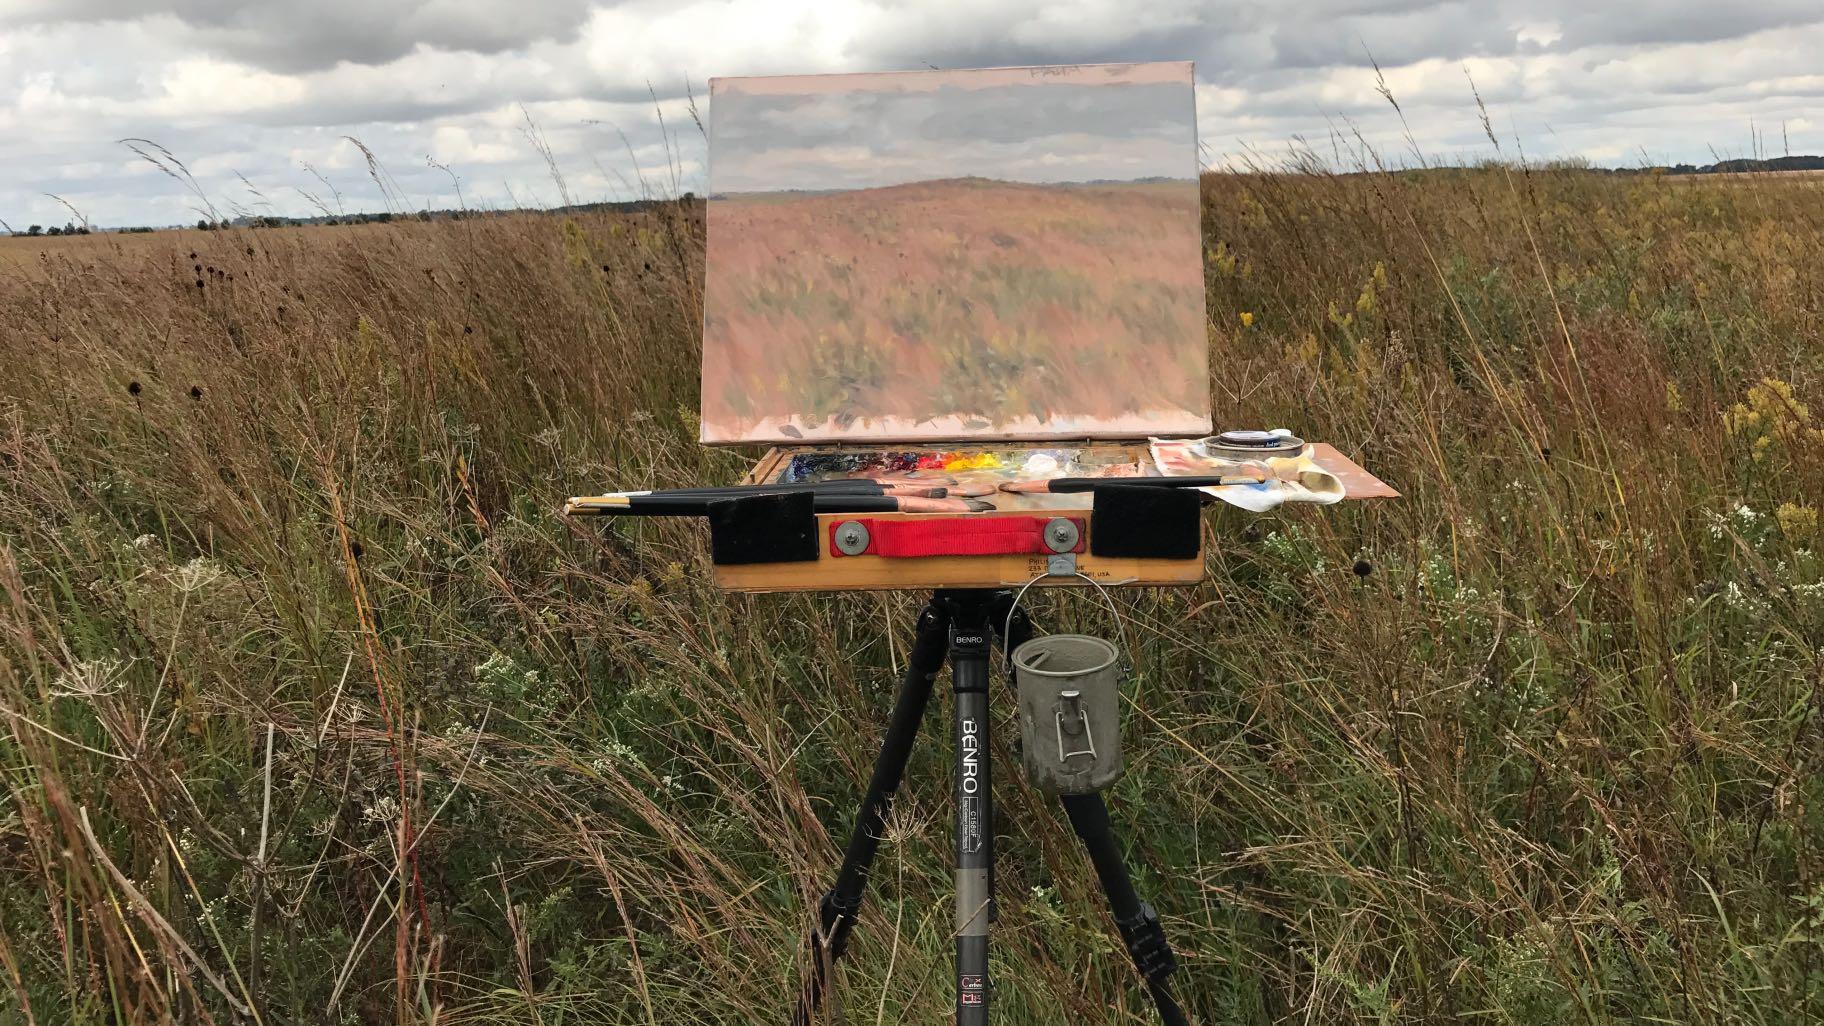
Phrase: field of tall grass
(315, 711)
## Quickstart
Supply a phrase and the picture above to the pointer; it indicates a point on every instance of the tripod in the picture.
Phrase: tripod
(960, 625)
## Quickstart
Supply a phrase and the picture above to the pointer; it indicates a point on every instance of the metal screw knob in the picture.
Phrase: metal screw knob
(1061, 534)
(851, 538)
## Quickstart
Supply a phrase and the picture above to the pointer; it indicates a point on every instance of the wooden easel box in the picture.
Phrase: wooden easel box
(879, 573)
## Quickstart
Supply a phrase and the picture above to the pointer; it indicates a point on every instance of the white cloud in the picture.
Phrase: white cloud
(457, 146)
(206, 87)
(632, 47)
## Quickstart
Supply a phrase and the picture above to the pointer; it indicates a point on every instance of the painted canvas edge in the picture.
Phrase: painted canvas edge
(721, 82)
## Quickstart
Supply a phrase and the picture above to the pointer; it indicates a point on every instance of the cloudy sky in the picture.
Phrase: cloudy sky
(1071, 123)
(259, 99)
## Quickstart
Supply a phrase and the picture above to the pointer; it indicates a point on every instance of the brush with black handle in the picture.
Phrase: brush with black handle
(690, 502)
(840, 486)
(1084, 484)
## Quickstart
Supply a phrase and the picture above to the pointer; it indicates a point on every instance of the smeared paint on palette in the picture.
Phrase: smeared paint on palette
(1010, 253)
(959, 465)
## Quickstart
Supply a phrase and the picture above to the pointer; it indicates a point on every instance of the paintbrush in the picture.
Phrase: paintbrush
(698, 505)
(973, 491)
(1084, 484)
(842, 486)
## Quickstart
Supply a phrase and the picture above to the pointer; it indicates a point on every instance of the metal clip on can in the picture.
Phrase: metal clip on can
(1070, 713)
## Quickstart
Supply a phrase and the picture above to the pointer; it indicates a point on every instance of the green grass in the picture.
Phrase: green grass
(1538, 743)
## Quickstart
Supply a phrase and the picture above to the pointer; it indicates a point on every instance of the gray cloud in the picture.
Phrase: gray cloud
(308, 36)
(1676, 21)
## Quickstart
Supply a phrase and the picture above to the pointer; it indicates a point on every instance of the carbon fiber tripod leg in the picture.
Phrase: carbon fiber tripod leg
(1140, 929)
(1139, 924)
(837, 912)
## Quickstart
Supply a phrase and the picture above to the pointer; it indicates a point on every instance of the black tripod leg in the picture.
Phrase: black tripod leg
(1014, 628)
(1139, 922)
(837, 912)
(969, 649)
(1140, 929)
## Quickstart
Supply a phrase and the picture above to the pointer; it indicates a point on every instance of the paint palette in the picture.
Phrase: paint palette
(976, 471)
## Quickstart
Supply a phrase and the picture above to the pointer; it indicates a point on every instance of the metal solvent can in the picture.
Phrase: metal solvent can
(1070, 713)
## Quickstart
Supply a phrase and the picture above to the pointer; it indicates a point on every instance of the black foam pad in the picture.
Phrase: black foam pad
(1146, 522)
(779, 528)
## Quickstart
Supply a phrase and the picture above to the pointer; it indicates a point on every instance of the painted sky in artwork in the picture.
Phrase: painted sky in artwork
(1101, 123)
(1004, 253)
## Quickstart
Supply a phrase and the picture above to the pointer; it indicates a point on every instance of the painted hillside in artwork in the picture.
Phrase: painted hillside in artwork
(1010, 253)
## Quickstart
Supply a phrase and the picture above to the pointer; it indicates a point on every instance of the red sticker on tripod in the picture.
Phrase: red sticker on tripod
(975, 983)
(973, 998)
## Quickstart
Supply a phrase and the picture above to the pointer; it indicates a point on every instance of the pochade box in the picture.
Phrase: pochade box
(975, 281)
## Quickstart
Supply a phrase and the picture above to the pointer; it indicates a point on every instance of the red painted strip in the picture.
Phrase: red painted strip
(962, 536)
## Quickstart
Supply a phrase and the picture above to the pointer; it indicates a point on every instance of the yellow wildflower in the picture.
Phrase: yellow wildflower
(1798, 523)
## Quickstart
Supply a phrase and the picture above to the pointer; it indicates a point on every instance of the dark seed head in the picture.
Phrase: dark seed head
(133, 388)
(604, 268)
(193, 254)
(1363, 568)
(199, 283)
(196, 391)
(355, 549)
(467, 330)
(1545, 451)
(198, 268)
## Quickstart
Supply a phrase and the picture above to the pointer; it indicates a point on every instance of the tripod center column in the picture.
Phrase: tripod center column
(974, 822)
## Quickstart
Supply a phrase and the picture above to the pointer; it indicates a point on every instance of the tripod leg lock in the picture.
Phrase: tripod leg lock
(836, 916)
(1146, 944)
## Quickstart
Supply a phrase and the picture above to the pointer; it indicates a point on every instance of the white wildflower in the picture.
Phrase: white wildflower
(90, 678)
(384, 810)
(196, 575)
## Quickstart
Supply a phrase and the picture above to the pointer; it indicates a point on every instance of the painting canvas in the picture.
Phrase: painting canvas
(1005, 253)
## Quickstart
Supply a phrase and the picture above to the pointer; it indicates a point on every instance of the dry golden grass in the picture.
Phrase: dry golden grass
(37, 253)
(313, 707)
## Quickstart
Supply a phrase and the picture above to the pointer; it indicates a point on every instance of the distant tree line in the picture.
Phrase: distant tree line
(67, 229)
(1804, 163)
(383, 217)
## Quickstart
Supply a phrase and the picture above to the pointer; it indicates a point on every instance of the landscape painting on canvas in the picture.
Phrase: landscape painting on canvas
(1006, 253)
